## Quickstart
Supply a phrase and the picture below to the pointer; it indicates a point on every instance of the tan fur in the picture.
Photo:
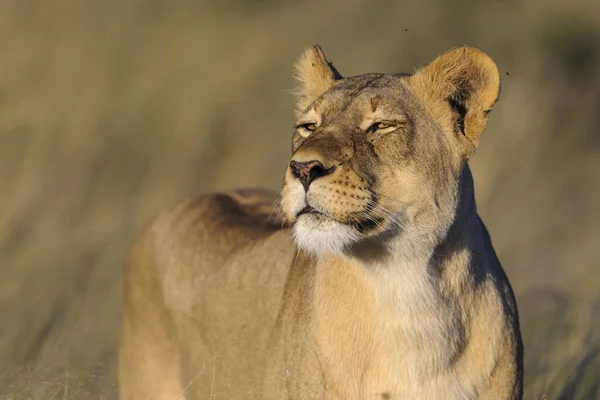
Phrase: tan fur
(373, 276)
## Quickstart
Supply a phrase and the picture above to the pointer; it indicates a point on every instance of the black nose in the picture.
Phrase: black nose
(308, 171)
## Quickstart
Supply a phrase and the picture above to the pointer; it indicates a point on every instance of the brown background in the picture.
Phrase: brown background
(112, 110)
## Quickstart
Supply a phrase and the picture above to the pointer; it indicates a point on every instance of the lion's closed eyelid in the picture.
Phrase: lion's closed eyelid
(384, 125)
(306, 129)
(311, 126)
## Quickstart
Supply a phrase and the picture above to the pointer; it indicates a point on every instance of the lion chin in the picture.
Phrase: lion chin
(318, 235)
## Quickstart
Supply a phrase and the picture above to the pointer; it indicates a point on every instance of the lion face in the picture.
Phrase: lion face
(377, 157)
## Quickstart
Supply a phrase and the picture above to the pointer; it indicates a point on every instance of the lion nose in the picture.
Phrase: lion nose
(308, 171)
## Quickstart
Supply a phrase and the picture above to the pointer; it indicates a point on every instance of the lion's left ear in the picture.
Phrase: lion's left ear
(461, 86)
(315, 74)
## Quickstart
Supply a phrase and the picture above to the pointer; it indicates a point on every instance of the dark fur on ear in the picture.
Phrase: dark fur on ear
(315, 74)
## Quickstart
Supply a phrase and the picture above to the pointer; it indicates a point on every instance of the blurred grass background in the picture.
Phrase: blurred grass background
(113, 110)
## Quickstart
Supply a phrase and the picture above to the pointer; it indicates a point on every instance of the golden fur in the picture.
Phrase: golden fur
(374, 278)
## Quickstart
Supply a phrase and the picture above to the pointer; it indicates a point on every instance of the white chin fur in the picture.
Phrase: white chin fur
(320, 235)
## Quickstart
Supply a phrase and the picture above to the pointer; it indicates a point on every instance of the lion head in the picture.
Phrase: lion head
(381, 158)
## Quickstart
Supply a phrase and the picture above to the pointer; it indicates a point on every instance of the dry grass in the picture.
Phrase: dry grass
(111, 110)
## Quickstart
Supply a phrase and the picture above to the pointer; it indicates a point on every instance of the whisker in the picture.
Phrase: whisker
(275, 208)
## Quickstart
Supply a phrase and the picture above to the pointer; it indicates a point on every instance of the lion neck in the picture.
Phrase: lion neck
(456, 229)
(379, 294)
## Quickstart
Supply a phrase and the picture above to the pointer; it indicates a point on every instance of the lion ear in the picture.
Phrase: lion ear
(315, 74)
(461, 86)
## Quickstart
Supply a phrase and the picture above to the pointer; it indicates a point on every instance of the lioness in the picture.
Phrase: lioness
(379, 281)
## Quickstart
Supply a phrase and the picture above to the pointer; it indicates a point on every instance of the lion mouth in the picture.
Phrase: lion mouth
(308, 210)
(367, 225)
(362, 225)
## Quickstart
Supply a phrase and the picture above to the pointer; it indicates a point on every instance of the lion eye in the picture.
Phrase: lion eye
(377, 126)
(306, 129)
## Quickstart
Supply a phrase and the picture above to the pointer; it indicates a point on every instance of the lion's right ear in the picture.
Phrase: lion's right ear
(315, 74)
(460, 87)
